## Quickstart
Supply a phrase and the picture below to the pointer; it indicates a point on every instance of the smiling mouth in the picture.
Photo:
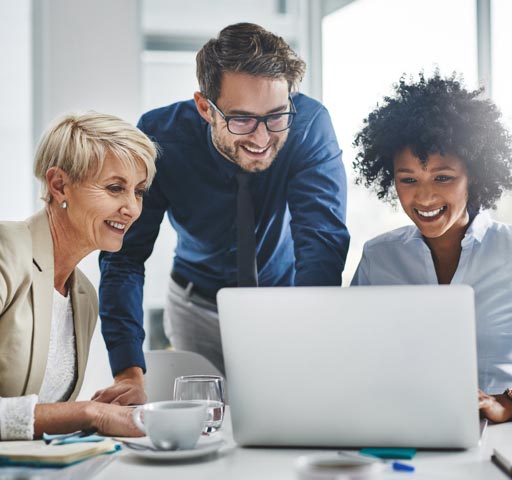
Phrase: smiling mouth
(255, 151)
(429, 214)
(118, 227)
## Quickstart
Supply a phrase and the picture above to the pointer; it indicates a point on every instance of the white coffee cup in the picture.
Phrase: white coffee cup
(171, 425)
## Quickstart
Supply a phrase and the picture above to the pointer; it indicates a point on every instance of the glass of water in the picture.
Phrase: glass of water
(204, 388)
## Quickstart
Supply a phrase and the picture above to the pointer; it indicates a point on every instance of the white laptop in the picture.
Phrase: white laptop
(391, 366)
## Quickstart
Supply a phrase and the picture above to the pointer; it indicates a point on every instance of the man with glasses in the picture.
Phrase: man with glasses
(251, 178)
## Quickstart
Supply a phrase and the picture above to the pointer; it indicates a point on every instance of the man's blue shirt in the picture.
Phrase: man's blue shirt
(300, 208)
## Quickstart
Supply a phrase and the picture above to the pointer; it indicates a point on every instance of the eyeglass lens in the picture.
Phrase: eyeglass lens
(274, 123)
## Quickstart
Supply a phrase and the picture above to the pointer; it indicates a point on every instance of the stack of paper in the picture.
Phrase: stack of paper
(37, 453)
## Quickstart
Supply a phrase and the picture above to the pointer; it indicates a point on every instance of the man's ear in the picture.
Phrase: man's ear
(57, 179)
(203, 107)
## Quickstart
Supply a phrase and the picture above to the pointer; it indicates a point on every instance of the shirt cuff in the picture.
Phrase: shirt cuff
(17, 417)
(126, 355)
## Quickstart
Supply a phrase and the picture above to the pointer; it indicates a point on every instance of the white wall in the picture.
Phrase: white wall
(16, 184)
(207, 17)
(199, 20)
(87, 57)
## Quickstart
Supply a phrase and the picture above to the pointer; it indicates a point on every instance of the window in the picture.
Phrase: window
(501, 41)
(16, 179)
(367, 46)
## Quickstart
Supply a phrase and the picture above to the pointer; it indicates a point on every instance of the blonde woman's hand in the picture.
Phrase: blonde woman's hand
(113, 420)
(67, 417)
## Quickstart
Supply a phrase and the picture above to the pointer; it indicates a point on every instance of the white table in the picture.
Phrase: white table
(235, 463)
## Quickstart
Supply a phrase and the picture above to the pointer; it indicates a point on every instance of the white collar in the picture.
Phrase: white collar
(476, 230)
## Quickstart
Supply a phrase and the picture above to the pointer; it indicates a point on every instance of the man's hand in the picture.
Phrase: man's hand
(128, 389)
(497, 408)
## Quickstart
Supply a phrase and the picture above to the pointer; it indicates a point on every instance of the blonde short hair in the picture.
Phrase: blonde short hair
(79, 143)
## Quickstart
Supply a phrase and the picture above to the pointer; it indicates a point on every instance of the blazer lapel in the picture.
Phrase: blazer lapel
(42, 298)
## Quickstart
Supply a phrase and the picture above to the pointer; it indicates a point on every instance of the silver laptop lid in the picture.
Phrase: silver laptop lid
(391, 366)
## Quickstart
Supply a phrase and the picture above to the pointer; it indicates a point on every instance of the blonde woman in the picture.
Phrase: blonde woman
(94, 169)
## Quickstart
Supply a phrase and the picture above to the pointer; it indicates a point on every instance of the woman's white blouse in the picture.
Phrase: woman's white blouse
(59, 377)
(17, 414)
(402, 257)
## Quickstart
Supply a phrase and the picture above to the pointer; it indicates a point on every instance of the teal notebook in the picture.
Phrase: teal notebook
(390, 453)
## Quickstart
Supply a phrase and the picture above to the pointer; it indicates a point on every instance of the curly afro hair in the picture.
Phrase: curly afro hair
(436, 115)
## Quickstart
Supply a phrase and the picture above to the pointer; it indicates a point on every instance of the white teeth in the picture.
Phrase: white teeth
(255, 150)
(432, 213)
(119, 226)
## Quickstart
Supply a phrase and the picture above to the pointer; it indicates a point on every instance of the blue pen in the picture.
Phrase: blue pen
(402, 467)
(396, 466)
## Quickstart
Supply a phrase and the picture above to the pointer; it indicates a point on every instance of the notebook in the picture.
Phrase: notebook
(38, 453)
(390, 366)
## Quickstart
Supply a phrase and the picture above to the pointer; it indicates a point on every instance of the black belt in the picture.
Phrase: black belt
(184, 283)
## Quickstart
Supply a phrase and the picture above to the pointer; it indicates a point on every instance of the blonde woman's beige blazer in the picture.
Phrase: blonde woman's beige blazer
(26, 298)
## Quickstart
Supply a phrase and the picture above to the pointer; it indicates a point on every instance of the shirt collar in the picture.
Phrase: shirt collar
(476, 230)
(478, 227)
(412, 234)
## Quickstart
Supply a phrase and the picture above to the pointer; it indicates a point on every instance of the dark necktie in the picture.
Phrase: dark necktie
(247, 274)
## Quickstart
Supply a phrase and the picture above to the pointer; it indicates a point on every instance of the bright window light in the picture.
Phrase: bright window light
(367, 46)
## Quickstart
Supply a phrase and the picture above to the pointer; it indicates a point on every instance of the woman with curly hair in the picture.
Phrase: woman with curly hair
(443, 152)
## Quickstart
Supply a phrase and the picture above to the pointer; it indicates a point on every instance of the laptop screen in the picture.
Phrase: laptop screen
(391, 366)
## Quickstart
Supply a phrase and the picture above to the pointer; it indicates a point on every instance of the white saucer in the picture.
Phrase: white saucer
(204, 446)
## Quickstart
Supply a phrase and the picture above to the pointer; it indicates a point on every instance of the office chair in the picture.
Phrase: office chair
(163, 366)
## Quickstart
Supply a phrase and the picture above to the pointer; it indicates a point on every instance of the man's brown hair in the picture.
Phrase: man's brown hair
(246, 48)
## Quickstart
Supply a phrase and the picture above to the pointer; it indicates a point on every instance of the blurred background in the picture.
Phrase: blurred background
(128, 56)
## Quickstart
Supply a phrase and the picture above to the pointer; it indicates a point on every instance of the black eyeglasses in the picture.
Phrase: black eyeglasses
(245, 124)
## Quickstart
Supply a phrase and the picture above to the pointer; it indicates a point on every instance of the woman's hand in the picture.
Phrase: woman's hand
(128, 389)
(497, 408)
(113, 420)
(67, 417)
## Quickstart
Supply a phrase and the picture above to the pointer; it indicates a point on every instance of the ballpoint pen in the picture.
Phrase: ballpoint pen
(341, 464)
(397, 466)
(59, 438)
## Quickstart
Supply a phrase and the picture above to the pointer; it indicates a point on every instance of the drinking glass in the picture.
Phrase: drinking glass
(205, 388)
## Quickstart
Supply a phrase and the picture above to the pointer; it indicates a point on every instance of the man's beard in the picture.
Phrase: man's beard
(235, 153)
